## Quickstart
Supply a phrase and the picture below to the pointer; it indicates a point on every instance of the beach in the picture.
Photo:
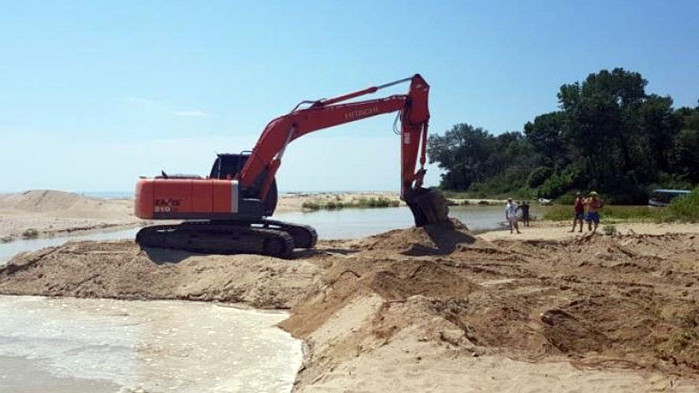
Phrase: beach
(433, 308)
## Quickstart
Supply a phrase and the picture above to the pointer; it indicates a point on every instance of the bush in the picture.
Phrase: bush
(356, 203)
(30, 233)
(567, 199)
(609, 229)
(685, 208)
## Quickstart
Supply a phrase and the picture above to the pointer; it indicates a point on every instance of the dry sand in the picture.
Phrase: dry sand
(52, 213)
(558, 230)
(435, 309)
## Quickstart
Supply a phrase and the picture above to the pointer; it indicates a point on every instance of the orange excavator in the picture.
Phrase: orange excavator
(227, 211)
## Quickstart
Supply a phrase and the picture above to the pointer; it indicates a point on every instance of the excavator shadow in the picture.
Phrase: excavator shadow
(446, 238)
(310, 252)
(162, 256)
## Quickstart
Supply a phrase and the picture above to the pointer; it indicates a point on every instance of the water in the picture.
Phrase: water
(101, 345)
(8, 250)
(356, 223)
(330, 224)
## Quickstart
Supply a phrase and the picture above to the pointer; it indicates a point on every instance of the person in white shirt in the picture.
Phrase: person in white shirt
(511, 215)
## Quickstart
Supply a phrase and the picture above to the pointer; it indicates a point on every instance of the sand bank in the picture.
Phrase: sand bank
(41, 213)
(436, 308)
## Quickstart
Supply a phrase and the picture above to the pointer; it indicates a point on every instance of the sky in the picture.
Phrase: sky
(94, 94)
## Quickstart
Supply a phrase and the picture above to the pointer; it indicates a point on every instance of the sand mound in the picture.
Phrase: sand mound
(435, 239)
(48, 213)
(41, 201)
(122, 270)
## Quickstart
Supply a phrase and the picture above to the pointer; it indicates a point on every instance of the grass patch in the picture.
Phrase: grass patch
(685, 209)
(682, 209)
(361, 203)
(613, 213)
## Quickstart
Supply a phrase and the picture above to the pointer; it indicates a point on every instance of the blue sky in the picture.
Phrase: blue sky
(94, 94)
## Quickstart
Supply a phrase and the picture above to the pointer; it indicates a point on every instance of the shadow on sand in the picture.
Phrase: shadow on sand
(446, 236)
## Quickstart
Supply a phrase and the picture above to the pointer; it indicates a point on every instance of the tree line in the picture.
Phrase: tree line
(608, 135)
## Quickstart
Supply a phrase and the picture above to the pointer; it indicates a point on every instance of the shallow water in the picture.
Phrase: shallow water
(330, 224)
(101, 345)
(8, 250)
(356, 223)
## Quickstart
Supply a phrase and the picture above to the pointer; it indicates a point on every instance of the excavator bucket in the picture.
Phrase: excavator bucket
(428, 206)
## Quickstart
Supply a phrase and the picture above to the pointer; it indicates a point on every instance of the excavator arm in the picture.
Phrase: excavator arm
(266, 157)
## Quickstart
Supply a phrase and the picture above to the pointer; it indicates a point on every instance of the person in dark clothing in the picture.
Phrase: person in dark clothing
(524, 206)
(579, 207)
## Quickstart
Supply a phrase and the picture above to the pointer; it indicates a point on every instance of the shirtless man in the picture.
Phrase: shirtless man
(593, 205)
(579, 211)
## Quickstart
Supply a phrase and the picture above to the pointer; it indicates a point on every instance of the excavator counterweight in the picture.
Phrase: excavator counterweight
(226, 211)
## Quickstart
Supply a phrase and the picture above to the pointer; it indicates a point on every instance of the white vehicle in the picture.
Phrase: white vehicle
(663, 197)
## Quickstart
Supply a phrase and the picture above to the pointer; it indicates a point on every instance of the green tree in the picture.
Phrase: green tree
(462, 152)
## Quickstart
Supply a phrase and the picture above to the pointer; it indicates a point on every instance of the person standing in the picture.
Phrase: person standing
(511, 215)
(593, 205)
(524, 207)
(579, 214)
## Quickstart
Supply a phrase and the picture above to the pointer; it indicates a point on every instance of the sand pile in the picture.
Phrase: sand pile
(435, 239)
(627, 303)
(40, 201)
(374, 310)
(48, 213)
(122, 270)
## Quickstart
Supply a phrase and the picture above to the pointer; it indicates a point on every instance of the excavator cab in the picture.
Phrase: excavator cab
(228, 166)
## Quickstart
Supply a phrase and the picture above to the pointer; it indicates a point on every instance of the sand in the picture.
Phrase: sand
(290, 202)
(557, 230)
(53, 213)
(434, 309)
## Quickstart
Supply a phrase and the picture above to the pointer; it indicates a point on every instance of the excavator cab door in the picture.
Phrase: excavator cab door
(227, 166)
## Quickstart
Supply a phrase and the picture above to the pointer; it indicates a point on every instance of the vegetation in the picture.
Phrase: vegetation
(355, 203)
(684, 209)
(609, 229)
(30, 233)
(608, 213)
(609, 135)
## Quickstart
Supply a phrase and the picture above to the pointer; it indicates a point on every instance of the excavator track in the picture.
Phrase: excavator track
(212, 237)
(305, 236)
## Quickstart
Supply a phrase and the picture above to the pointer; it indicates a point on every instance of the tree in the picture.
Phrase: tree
(546, 135)
(608, 135)
(462, 152)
